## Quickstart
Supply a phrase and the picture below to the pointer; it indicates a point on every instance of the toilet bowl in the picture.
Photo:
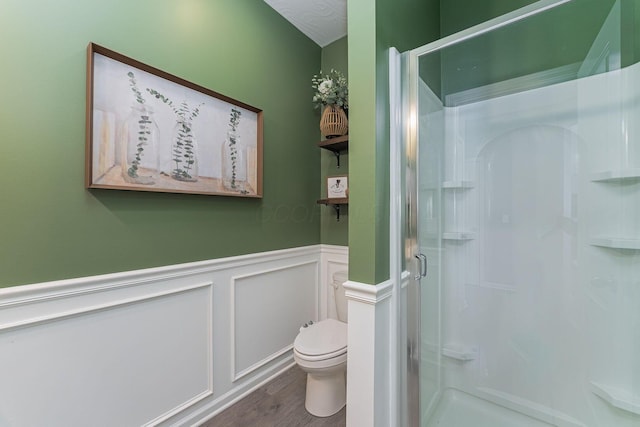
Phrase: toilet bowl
(320, 349)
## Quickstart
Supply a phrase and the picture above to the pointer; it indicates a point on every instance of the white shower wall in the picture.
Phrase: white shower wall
(536, 203)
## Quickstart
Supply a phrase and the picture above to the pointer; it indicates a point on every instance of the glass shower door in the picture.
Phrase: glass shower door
(430, 161)
(526, 204)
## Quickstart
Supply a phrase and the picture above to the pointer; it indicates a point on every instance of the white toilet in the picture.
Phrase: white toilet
(320, 349)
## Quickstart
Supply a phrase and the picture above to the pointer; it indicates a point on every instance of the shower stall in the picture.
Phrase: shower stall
(521, 220)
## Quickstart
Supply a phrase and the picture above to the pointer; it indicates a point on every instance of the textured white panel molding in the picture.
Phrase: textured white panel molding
(101, 361)
(333, 259)
(92, 308)
(154, 346)
(268, 308)
(323, 21)
(368, 294)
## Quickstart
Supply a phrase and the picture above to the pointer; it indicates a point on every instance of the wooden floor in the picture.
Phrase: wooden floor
(280, 403)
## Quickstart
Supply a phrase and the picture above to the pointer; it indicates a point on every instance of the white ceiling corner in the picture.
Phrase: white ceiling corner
(323, 21)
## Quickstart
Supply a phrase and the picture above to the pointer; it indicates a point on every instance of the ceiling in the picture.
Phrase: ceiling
(323, 21)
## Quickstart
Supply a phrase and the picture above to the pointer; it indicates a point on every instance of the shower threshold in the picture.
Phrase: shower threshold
(460, 409)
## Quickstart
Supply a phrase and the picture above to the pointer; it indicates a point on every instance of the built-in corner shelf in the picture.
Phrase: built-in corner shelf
(616, 175)
(459, 352)
(615, 242)
(457, 185)
(617, 398)
(458, 235)
(335, 145)
(335, 203)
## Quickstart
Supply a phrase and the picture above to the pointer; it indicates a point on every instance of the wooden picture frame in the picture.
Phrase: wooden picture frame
(148, 130)
(337, 187)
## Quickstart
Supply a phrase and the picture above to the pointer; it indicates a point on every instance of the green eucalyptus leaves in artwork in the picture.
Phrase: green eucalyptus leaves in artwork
(183, 151)
(141, 133)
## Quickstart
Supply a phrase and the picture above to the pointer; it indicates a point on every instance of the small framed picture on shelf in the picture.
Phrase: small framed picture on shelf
(337, 187)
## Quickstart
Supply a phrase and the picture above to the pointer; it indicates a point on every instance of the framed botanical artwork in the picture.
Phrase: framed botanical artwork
(337, 187)
(148, 130)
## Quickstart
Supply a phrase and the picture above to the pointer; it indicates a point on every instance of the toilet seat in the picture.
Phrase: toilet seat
(316, 358)
(321, 366)
(323, 340)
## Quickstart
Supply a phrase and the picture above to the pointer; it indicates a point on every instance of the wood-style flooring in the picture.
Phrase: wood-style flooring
(279, 403)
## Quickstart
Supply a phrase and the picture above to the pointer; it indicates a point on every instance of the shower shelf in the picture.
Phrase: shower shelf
(615, 243)
(459, 235)
(459, 352)
(616, 175)
(457, 185)
(617, 398)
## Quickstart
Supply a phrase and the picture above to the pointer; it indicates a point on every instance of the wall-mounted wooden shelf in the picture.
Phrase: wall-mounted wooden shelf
(335, 145)
(335, 203)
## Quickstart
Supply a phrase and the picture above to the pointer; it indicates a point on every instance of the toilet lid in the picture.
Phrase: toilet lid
(324, 337)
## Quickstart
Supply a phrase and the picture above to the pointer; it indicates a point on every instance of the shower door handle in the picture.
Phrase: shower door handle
(422, 260)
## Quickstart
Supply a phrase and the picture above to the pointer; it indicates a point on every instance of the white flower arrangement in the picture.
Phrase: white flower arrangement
(330, 89)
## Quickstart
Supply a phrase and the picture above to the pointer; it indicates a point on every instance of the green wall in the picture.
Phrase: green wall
(51, 227)
(630, 28)
(555, 38)
(374, 27)
(362, 140)
(333, 232)
(457, 15)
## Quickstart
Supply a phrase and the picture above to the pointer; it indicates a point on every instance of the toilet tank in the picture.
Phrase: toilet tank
(339, 278)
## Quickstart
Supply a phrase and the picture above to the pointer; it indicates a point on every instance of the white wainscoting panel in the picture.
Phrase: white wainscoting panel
(77, 365)
(334, 259)
(268, 309)
(169, 346)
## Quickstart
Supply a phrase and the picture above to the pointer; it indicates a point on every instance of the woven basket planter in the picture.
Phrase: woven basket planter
(333, 122)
